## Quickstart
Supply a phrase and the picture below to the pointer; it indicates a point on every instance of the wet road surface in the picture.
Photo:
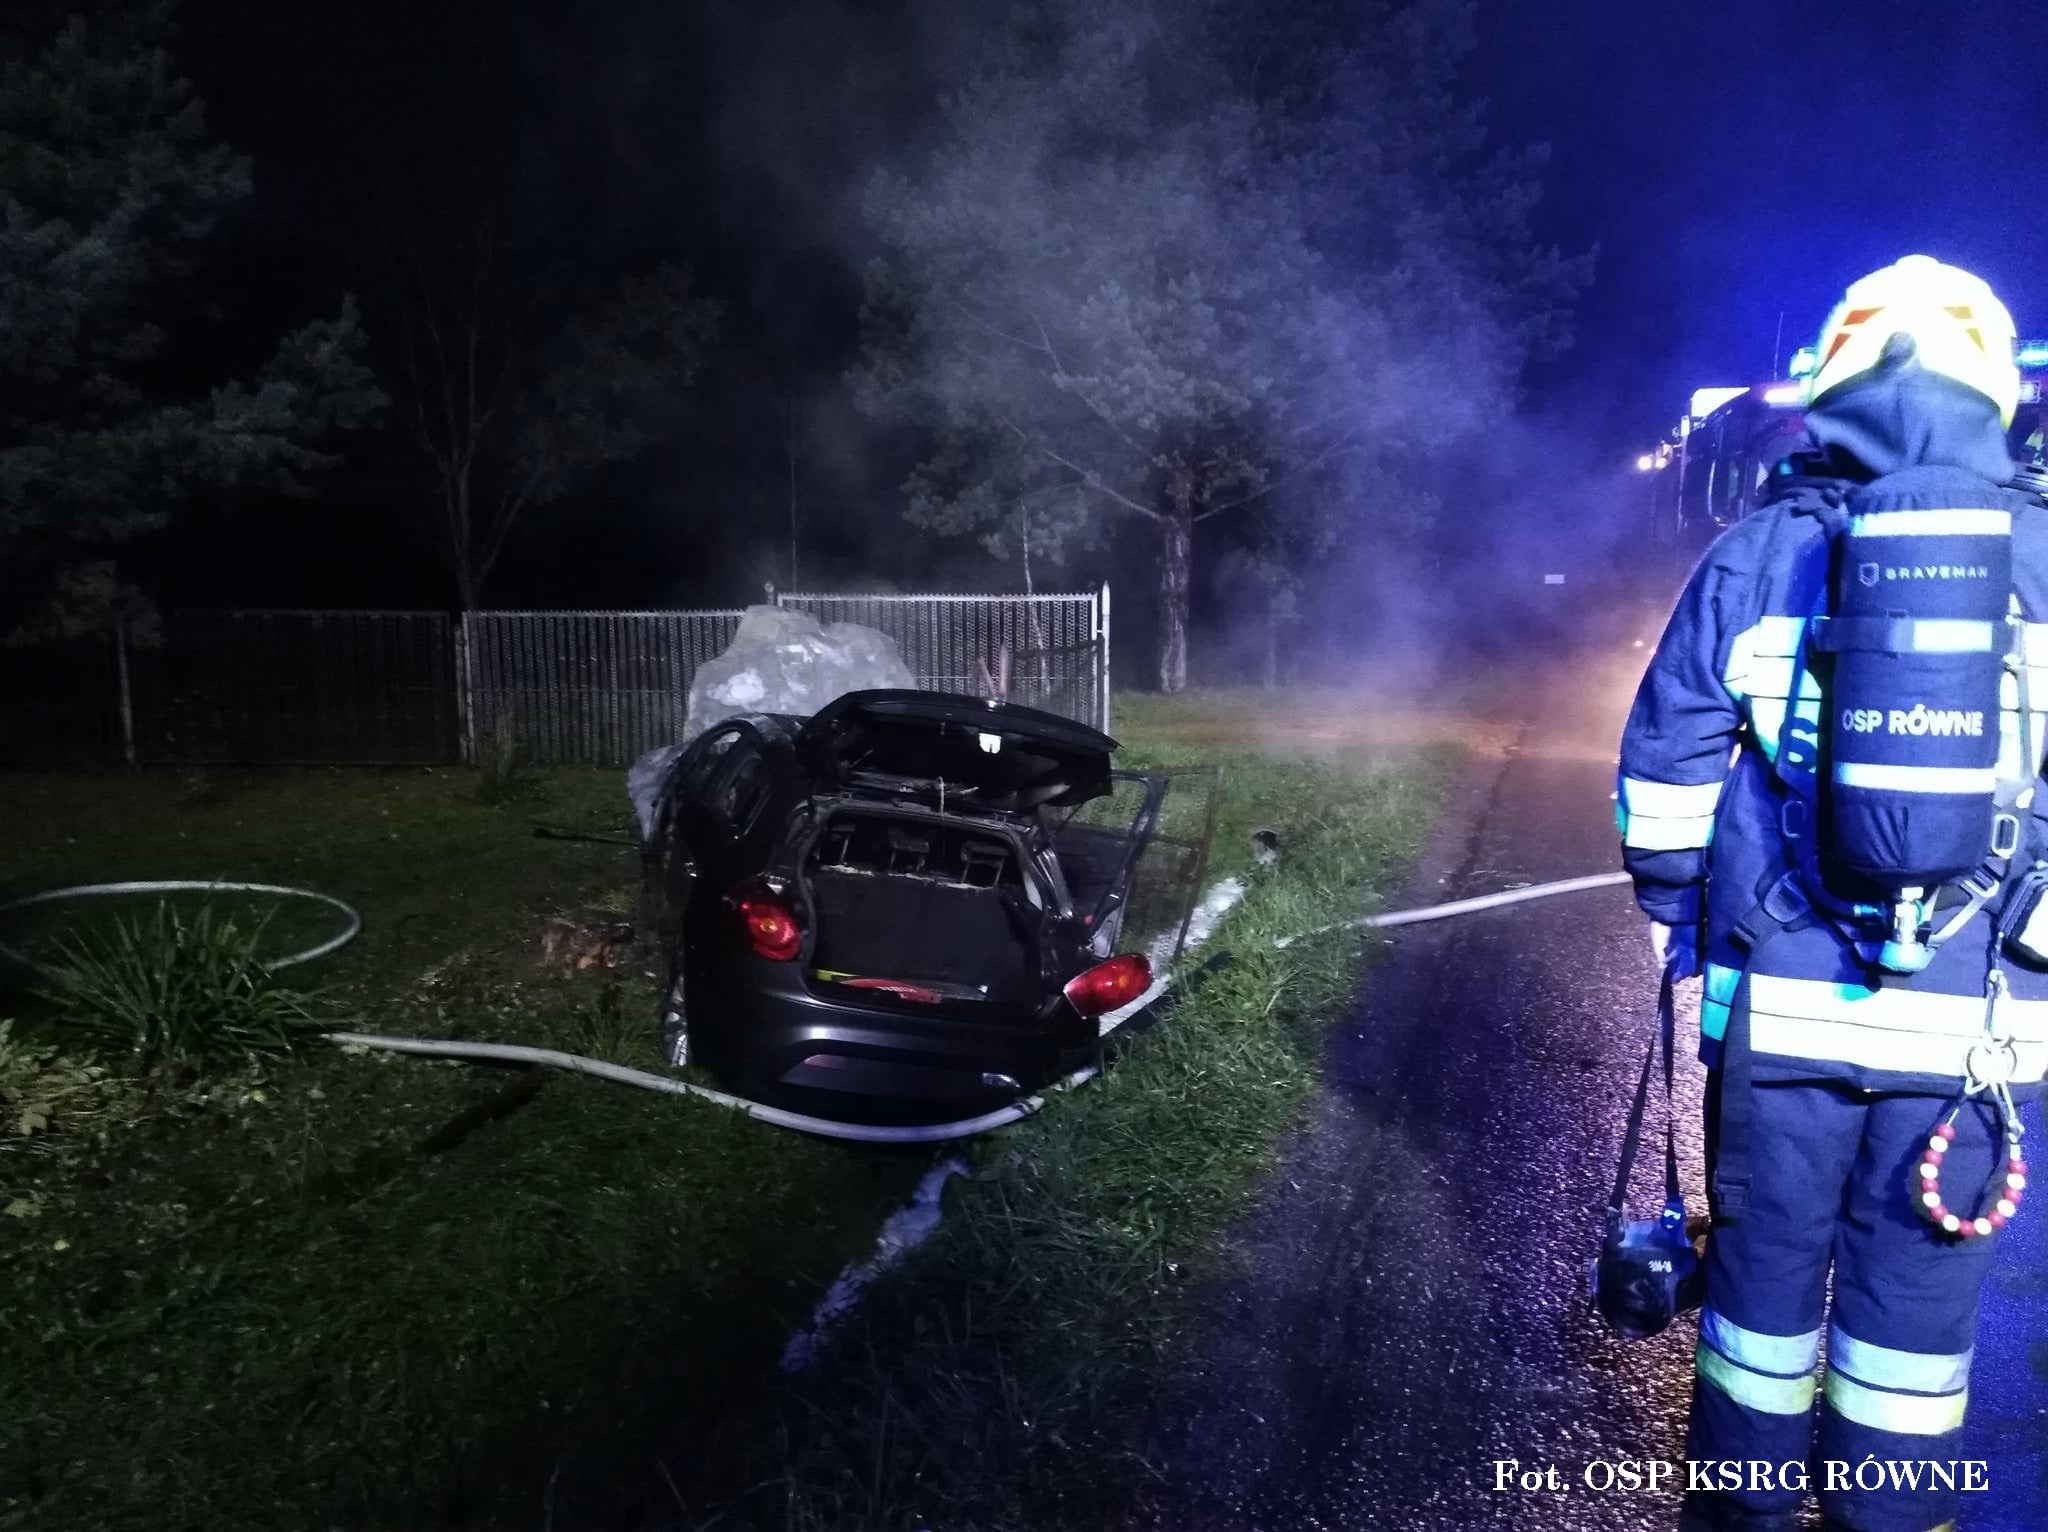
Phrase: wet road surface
(1406, 1309)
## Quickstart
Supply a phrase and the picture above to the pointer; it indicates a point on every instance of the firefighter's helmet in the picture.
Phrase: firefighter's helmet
(1956, 323)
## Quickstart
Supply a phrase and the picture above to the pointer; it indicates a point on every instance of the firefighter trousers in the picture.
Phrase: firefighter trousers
(1829, 1191)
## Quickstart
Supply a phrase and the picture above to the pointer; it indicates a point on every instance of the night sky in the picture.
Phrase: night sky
(1734, 164)
(1744, 159)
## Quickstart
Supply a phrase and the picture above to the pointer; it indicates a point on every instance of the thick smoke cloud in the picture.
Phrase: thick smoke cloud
(1251, 263)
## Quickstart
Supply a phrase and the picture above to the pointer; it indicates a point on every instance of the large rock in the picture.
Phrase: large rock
(783, 661)
(779, 661)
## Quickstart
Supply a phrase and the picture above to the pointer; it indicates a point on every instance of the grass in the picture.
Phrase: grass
(249, 1298)
(996, 1380)
(171, 987)
(295, 1292)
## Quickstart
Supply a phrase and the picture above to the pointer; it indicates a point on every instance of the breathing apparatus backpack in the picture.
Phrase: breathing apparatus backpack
(1915, 825)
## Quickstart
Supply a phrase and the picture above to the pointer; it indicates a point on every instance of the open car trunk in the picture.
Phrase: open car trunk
(923, 909)
(982, 757)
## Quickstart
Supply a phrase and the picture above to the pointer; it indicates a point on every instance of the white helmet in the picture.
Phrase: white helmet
(1956, 322)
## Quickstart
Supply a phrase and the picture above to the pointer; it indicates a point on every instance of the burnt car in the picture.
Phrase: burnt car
(892, 910)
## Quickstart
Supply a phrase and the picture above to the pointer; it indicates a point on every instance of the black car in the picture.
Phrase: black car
(890, 911)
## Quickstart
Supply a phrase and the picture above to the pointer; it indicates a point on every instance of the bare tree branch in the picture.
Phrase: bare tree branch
(517, 388)
(1294, 475)
(1087, 476)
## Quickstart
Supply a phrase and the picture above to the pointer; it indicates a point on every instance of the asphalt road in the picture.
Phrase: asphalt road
(1406, 1309)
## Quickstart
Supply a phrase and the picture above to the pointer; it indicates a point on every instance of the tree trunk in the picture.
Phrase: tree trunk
(789, 452)
(459, 537)
(1037, 637)
(1176, 560)
(1272, 644)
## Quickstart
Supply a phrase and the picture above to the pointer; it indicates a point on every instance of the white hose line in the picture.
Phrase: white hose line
(925, 1133)
(1457, 907)
(551, 1058)
(821, 1127)
(603, 1069)
(198, 886)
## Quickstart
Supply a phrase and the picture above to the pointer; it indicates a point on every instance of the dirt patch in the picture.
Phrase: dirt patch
(579, 941)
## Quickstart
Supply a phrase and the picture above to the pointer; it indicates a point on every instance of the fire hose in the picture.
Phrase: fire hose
(622, 1074)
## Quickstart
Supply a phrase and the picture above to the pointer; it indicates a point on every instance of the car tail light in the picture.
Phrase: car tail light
(770, 923)
(1109, 986)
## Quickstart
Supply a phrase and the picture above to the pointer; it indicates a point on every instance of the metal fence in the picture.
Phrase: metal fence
(59, 703)
(573, 688)
(269, 688)
(368, 688)
(585, 688)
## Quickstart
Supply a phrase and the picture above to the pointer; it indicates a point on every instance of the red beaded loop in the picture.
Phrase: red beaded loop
(2004, 1192)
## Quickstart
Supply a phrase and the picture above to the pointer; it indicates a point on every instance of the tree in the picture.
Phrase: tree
(1182, 262)
(514, 397)
(109, 193)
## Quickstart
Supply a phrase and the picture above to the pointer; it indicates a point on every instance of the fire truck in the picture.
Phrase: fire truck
(1711, 471)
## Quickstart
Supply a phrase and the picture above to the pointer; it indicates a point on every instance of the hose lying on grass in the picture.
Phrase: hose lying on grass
(352, 927)
(1430, 912)
(919, 1133)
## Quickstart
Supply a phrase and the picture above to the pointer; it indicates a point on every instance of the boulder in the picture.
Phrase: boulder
(783, 661)
(780, 661)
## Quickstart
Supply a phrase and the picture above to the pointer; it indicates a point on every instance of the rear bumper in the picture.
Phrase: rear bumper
(772, 1038)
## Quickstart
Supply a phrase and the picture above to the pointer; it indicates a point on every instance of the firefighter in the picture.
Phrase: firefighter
(1829, 1071)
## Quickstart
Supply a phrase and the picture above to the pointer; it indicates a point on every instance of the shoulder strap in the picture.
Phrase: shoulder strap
(1663, 1036)
(1826, 502)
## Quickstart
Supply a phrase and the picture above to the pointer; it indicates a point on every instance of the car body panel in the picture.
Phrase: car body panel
(938, 925)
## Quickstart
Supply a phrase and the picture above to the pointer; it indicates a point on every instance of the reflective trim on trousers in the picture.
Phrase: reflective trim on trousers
(1754, 1390)
(1901, 1414)
(1787, 1356)
(1914, 1372)
(1771, 1373)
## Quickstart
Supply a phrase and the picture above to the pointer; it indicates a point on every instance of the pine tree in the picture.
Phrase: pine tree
(110, 192)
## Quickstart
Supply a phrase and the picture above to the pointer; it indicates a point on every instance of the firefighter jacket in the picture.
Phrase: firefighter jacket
(1707, 808)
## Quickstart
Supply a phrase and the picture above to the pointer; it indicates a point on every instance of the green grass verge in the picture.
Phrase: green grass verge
(248, 1299)
(995, 1380)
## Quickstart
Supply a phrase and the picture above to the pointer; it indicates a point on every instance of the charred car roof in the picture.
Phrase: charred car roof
(996, 755)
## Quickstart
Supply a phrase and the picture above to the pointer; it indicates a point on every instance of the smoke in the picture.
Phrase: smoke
(1260, 255)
